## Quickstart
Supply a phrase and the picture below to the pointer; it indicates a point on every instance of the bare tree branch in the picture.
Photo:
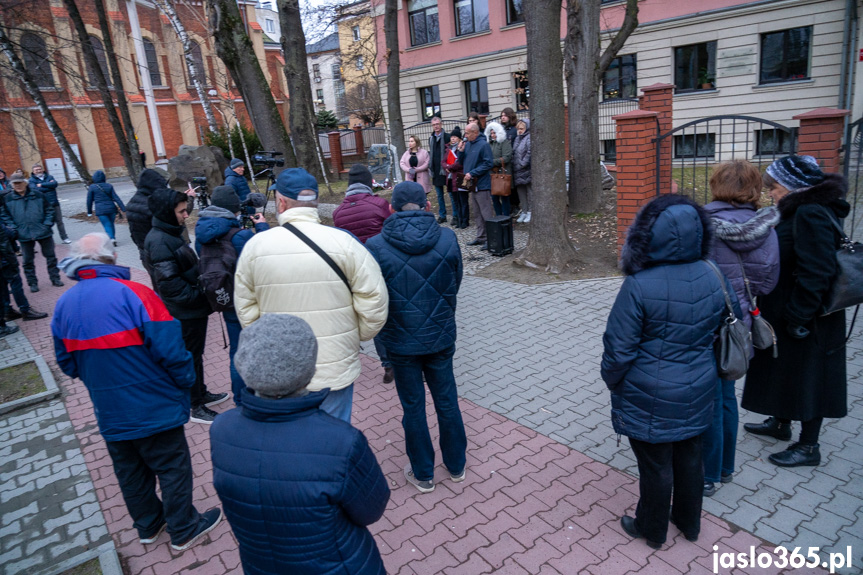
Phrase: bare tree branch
(630, 23)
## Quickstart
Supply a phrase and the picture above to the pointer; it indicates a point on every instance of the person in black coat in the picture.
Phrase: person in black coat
(438, 141)
(174, 266)
(138, 210)
(10, 276)
(807, 382)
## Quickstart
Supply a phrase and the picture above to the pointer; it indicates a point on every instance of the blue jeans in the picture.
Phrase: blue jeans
(232, 324)
(437, 367)
(382, 353)
(720, 440)
(339, 403)
(501, 205)
(440, 201)
(108, 224)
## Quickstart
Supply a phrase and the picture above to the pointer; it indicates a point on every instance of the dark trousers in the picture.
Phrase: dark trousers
(461, 203)
(137, 464)
(195, 338)
(441, 202)
(501, 205)
(438, 371)
(670, 477)
(58, 219)
(29, 259)
(12, 277)
(719, 443)
(809, 430)
(233, 326)
(382, 353)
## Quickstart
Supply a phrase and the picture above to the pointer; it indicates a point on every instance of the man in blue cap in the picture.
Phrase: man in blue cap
(321, 274)
(422, 266)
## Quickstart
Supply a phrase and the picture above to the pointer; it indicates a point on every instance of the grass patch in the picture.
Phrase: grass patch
(91, 567)
(20, 381)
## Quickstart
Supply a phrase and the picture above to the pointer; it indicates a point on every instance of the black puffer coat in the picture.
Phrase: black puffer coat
(173, 262)
(30, 215)
(808, 378)
(137, 211)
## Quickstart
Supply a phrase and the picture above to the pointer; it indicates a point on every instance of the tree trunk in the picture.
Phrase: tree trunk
(167, 7)
(30, 86)
(302, 114)
(548, 245)
(235, 49)
(394, 106)
(122, 103)
(101, 84)
(584, 69)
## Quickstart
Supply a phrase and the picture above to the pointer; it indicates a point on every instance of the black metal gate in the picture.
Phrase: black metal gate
(852, 168)
(686, 156)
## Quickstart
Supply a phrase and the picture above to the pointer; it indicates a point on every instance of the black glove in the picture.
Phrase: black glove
(797, 331)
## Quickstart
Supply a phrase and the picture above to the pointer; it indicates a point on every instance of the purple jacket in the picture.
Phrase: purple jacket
(362, 213)
(743, 230)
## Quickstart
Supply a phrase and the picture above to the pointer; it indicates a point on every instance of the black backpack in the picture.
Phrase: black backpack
(216, 272)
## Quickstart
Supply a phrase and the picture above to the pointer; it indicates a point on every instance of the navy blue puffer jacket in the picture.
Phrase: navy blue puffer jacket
(238, 182)
(658, 360)
(104, 196)
(299, 488)
(422, 266)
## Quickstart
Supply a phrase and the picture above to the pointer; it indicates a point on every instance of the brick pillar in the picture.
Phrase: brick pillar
(636, 165)
(658, 98)
(820, 135)
(336, 160)
(358, 137)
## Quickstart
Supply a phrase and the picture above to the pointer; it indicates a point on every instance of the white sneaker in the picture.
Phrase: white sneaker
(67, 241)
(521, 217)
(527, 218)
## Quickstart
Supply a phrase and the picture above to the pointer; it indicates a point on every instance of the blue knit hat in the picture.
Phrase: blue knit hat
(293, 181)
(796, 172)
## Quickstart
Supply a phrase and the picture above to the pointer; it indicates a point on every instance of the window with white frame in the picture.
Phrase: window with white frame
(271, 25)
(355, 33)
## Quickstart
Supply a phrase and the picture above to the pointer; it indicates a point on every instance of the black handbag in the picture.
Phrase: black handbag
(733, 347)
(847, 287)
(763, 334)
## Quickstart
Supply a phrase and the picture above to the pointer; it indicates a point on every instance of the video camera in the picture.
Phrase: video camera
(252, 205)
(268, 159)
(199, 181)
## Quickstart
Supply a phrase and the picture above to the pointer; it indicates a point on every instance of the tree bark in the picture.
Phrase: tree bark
(101, 84)
(394, 106)
(548, 245)
(235, 49)
(302, 114)
(167, 7)
(30, 86)
(583, 70)
(123, 104)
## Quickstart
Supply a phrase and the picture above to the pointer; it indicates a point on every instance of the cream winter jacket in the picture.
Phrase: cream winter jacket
(278, 273)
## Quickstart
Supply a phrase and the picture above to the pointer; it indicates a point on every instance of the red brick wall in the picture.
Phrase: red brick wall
(820, 135)
(9, 154)
(636, 166)
(111, 156)
(170, 122)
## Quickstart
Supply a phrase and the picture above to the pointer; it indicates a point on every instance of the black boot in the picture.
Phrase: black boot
(772, 427)
(628, 524)
(796, 455)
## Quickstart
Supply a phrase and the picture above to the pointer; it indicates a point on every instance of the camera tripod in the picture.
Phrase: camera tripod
(271, 180)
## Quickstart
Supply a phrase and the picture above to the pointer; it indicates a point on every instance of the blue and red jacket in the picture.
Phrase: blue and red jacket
(117, 336)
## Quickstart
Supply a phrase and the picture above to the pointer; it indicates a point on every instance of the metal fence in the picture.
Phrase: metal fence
(692, 150)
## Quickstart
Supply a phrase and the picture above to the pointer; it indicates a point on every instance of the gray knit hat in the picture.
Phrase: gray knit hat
(226, 197)
(796, 172)
(276, 355)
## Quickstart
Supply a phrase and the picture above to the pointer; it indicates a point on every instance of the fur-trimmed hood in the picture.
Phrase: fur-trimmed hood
(830, 193)
(671, 229)
(498, 130)
(742, 227)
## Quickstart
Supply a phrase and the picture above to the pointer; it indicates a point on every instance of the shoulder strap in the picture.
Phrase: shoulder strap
(833, 220)
(317, 249)
(722, 285)
(746, 283)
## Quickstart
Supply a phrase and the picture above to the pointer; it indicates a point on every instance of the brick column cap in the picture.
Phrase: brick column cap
(659, 86)
(820, 113)
(635, 115)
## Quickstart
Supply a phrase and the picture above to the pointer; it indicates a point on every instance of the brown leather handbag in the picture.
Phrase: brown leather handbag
(501, 183)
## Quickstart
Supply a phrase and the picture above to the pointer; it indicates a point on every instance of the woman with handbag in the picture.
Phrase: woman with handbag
(807, 381)
(746, 250)
(415, 164)
(659, 362)
(501, 153)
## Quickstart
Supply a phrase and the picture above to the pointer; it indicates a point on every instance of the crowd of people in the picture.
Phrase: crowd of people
(299, 484)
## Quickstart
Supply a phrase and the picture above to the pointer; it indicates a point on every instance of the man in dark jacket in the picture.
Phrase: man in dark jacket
(422, 266)
(31, 215)
(42, 181)
(138, 212)
(234, 177)
(10, 280)
(476, 158)
(218, 222)
(175, 279)
(299, 486)
(438, 142)
(127, 350)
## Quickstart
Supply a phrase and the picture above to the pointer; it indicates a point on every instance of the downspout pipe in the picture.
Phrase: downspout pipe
(144, 75)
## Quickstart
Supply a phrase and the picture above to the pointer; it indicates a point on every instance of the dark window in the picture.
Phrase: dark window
(152, 63)
(316, 69)
(35, 57)
(320, 95)
(515, 11)
(785, 55)
(621, 78)
(337, 72)
(695, 67)
(694, 146)
(609, 151)
(423, 18)
(429, 103)
(100, 58)
(477, 96)
(775, 142)
(522, 90)
(198, 59)
(470, 16)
